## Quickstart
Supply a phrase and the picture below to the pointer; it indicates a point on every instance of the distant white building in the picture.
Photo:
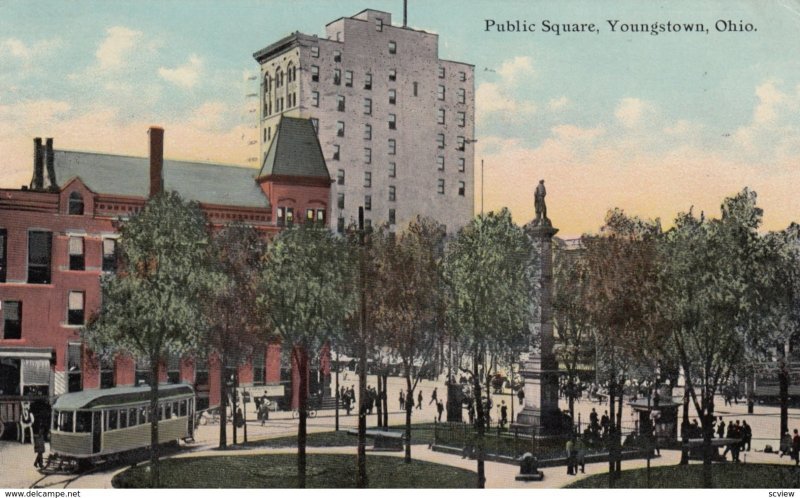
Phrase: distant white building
(396, 122)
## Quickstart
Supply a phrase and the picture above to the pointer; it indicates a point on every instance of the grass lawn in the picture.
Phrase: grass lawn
(280, 471)
(691, 476)
(420, 434)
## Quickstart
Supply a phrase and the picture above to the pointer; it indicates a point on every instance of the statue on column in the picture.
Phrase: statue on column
(540, 206)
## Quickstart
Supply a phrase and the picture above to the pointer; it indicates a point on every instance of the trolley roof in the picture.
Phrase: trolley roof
(100, 398)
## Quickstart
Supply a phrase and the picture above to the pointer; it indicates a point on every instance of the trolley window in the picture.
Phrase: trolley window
(111, 420)
(143, 419)
(133, 414)
(83, 422)
(175, 409)
(55, 420)
(65, 421)
(123, 418)
(182, 408)
(167, 411)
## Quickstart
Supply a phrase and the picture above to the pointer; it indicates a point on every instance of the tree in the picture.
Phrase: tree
(486, 269)
(407, 310)
(623, 284)
(307, 293)
(235, 324)
(715, 281)
(151, 307)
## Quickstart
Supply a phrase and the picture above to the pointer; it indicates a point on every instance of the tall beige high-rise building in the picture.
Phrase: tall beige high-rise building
(396, 122)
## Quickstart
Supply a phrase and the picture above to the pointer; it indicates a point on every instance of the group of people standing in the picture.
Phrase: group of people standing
(348, 397)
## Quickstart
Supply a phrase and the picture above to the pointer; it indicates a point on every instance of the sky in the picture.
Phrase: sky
(654, 124)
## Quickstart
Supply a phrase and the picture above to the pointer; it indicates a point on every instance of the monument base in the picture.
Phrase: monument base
(545, 423)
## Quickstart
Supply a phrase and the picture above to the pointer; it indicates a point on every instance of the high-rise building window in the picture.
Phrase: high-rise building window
(392, 75)
(392, 122)
(367, 155)
(416, 87)
(77, 260)
(340, 200)
(461, 119)
(392, 96)
(75, 367)
(337, 56)
(75, 308)
(367, 179)
(440, 186)
(39, 248)
(462, 96)
(340, 128)
(440, 92)
(75, 203)
(392, 193)
(314, 73)
(462, 188)
(337, 76)
(109, 255)
(12, 319)
(315, 51)
(368, 107)
(378, 24)
(340, 177)
(392, 170)
(278, 78)
(440, 140)
(440, 163)
(392, 146)
(461, 164)
(290, 72)
(348, 78)
(367, 132)
(392, 47)
(336, 152)
(340, 224)
(368, 81)
(315, 98)
(392, 219)
(441, 71)
(440, 117)
(461, 143)
(367, 203)
(3, 256)
(462, 76)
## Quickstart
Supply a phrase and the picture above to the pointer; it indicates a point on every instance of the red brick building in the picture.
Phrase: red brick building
(58, 237)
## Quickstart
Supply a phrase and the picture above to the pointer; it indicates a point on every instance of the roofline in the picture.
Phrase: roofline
(308, 181)
(374, 10)
(385, 25)
(284, 44)
(458, 62)
(184, 161)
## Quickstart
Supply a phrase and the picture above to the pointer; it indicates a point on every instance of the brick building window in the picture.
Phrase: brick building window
(39, 248)
(367, 179)
(368, 107)
(3, 256)
(321, 217)
(348, 78)
(378, 24)
(106, 372)
(440, 163)
(440, 92)
(75, 308)
(340, 103)
(368, 81)
(392, 47)
(392, 193)
(392, 122)
(440, 117)
(310, 216)
(461, 164)
(440, 186)
(75, 203)
(416, 88)
(461, 143)
(77, 260)
(367, 203)
(392, 146)
(340, 200)
(340, 224)
(393, 75)
(336, 152)
(461, 119)
(392, 96)
(173, 369)
(367, 132)
(285, 216)
(337, 56)
(315, 51)
(462, 188)
(340, 177)
(392, 220)
(340, 128)
(392, 170)
(74, 367)
(440, 140)
(314, 73)
(289, 212)
(259, 368)
(441, 71)
(12, 319)
(462, 96)
(462, 76)
(367, 155)
(315, 99)
(337, 76)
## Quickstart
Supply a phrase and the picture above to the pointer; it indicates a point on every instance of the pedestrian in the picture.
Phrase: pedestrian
(604, 423)
(580, 450)
(471, 413)
(721, 428)
(440, 409)
(503, 415)
(402, 400)
(263, 409)
(38, 447)
(796, 448)
(571, 456)
(521, 397)
(346, 401)
(434, 397)
(419, 400)
(747, 433)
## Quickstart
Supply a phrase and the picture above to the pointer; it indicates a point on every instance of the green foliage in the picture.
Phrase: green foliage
(151, 307)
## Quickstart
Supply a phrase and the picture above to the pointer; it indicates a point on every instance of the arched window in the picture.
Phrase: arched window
(266, 83)
(290, 72)
(278, 78)
(75, 203)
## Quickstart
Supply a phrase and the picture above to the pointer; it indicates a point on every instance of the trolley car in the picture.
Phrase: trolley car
(96, 425)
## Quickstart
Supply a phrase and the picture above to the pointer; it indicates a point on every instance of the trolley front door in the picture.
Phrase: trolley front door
(97, 430)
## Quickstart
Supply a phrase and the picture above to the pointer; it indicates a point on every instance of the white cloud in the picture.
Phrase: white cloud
(18, 49)
(630, 111)
(186, 75)
(117, 46)
(558, 104)
(209, 116)
(516, 70)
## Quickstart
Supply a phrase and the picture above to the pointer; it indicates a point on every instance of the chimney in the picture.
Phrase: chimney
(405, 13)
(156, 160)
(37, 182)
(49, 161)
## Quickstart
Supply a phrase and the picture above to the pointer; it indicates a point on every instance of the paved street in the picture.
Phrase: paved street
(19, 472)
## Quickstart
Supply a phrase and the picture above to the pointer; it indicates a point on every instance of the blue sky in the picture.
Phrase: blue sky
(652, 124)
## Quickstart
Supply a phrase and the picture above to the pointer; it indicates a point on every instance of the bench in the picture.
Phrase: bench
(695, 447)
(383, 440)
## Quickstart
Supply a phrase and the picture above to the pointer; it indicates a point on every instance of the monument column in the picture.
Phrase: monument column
(540, 371)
